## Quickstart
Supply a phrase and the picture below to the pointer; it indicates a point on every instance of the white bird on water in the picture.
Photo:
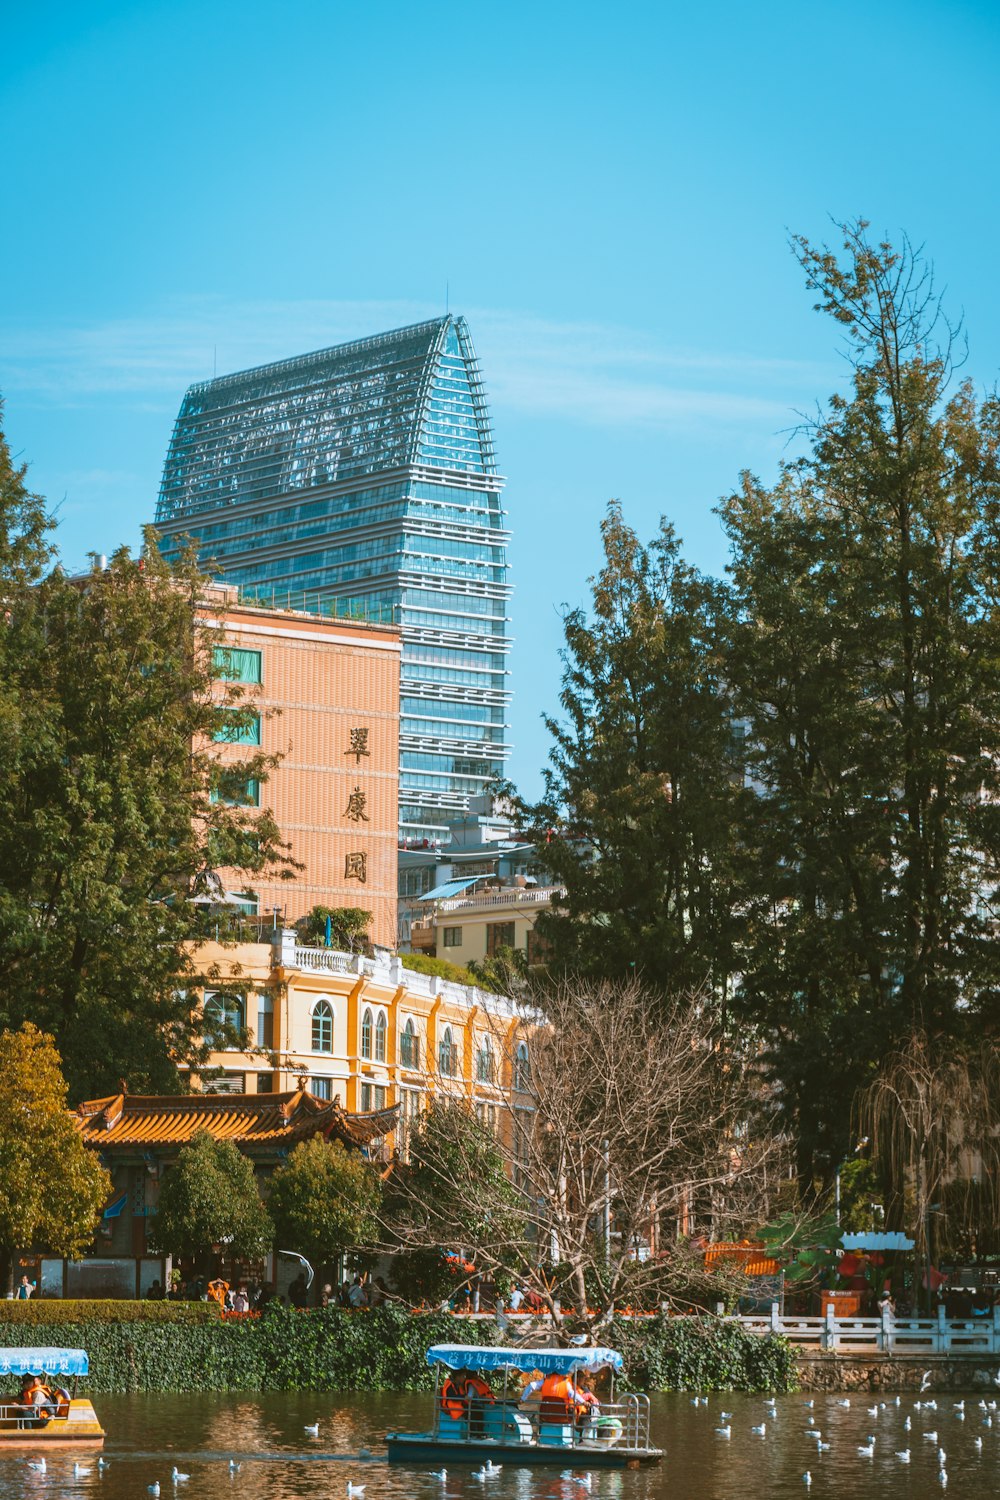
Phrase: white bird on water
(103, 1463)
(873, 1411)
(942, 1456)
(977, 1443)
(492, 1468)
(154, 1488)
(907, 1425)
(810, 1404)
(79, 1470)
(724, 1432)
(925, 1381)
(441, 1474)
(312, 1428)
(178, 1477)
(846, 1401)
(760, 1431)
(807, 1479)
(234, 1467)
(725, 1416)
(867, 1450)
(37, 1463)
(354, 1489)
(930, 1437)
(904, 1456)
(943, 1476)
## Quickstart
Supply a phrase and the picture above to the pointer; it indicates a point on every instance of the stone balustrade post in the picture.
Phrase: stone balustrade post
(828, 1338)
(888, 1323)
(775, 1318)
(942, 1334)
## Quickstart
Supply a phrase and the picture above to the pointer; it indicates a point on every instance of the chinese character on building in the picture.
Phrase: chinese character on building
(356, 804)
(356, 867)
(359, 745)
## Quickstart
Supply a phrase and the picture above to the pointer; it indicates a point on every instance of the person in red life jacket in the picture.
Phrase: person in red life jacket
(454, 1393)
(557, 1397)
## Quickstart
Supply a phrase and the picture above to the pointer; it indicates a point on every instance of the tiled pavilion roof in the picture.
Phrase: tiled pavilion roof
(248, 1120)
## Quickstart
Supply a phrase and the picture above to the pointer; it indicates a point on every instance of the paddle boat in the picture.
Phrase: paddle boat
(66, 1420)
(502, 1426)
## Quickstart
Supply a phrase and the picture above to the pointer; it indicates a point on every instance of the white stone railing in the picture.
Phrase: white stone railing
(527, 895)
(899, 1337)
(389, 972)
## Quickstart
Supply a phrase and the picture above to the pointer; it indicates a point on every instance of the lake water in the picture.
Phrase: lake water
(148, 1435)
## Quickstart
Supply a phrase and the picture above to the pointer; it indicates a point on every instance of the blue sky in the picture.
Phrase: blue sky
(605, 192)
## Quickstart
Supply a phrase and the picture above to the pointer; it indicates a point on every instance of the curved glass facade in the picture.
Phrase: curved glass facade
(361, 481)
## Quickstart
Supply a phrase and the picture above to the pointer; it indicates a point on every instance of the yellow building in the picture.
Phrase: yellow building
(365, 1031)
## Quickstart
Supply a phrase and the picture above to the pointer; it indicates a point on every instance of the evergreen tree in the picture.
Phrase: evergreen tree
(324, 1200)
(640, 790)
(209, 1199)
(864, 664)
(117, 807)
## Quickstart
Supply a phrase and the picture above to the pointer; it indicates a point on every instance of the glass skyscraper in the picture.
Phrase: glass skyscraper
(361, 481)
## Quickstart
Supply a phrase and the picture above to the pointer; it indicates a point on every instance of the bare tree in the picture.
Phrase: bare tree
(620, 1126)
(933, 1118)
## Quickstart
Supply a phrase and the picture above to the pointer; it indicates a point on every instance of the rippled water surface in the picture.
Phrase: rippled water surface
(148, 1435)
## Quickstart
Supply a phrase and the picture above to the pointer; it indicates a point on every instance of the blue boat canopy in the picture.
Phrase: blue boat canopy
(43, 1362)
(548, 1361)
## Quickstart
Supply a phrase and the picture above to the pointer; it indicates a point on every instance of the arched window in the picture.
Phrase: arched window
(322, 1026)
(380, 1037)
(447, 1054)
(484, 1061)
(409, 1045)
(366, 1034)
(224, 1015)
(522, 1068)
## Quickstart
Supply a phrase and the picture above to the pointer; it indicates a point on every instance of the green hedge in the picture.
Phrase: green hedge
(381, 1349)
(701, 1354)
(85, 1311)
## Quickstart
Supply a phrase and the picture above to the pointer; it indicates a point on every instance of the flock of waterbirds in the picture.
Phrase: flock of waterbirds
(947, 1411)
(987, 1413)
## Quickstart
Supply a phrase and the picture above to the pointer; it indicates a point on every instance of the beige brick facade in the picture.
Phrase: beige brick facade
(329, 706)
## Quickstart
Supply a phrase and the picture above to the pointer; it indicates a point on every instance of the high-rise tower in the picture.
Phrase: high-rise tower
(361, 481)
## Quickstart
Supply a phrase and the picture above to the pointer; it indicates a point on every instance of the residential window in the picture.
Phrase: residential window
(322, 1026)
(486, 1114)
(265, 1083)
(447, 1054)
(452, 937)
(524, 1124)
(380, 1026)
(366, 1034)
(235, 790)
(485, 1071)
(372, 1097)
(230, 731)
(224, 1017)
(499, 935)
(224, 1083)
(522, 1069)
(409, 1046)
(234, 664)
(321, 1088)
(265, 1021)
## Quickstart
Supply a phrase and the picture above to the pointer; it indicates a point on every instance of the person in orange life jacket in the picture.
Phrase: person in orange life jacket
(558, 1398)
(465, 1394)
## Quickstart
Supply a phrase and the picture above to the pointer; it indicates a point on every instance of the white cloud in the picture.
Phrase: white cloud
(586, 372)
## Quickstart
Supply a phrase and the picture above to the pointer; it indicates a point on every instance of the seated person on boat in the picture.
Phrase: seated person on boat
(466, 1394)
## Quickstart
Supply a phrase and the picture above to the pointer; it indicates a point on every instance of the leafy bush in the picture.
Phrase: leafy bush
(39, 1313)
(454, 973)
(377, 1349)
(701, 1354)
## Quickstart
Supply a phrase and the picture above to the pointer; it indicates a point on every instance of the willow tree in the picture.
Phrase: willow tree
(932, 1117)
(863, 662)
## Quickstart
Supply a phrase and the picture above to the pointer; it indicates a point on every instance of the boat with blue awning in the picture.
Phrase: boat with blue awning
(529, 1406)
(47, 1411)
